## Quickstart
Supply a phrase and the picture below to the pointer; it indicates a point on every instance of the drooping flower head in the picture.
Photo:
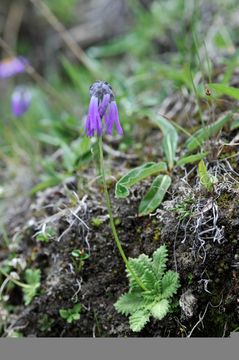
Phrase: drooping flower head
(12, 66)
(20, 100)
(103, 111)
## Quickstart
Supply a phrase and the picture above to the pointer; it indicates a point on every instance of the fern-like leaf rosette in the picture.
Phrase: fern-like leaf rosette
(161, 285)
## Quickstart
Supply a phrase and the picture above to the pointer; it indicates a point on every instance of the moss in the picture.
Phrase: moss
(224, 200)
(233, 158)
(156, 235)
(220, 320)
(154, 221)
(138, 229)
(183, 208)
(222, 267)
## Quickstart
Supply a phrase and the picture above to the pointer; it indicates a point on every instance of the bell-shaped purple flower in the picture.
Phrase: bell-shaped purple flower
(20, 100)
(12, 66)
(102, 106)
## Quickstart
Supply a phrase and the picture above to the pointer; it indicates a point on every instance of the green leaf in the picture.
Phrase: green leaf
(129, 303)
(64, 313)
(29, 294)
(203, 134)
(234, 124)
(68, 158)
(170, 147)
(170, 284)
(170, 137)
(160, 309)
(155, 195)
(206, 179)
(149, 279)
(49, 182)
(224, 89)
(33, 278)
(160, 258)
(49, 139)
(191, 158)
(75, 316)
(138, 320)
(138, 265)
(138, 303)
(76, 308)
(136, 175)
(71, 314)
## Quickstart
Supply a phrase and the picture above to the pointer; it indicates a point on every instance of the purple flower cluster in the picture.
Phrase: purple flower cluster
(102, 106)
(20, 101)
(12, 66)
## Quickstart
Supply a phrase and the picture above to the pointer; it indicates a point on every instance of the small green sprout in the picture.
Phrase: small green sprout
(45, 323)
(72, 314)
(207, 180)
(161, 285)
(46, 234)
(190, 278)
(79, 257)
(96, 222)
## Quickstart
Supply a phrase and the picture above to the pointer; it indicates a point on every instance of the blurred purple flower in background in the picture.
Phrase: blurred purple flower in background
(102, 105)
(20, 100)
(12, 66)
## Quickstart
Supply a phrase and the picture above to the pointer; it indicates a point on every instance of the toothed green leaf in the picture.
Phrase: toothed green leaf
(139, 303)
(149, 279)
(138, 320)
(160, 257)
(139, 266)
(129, 303)
(160, 309)
(170, 284)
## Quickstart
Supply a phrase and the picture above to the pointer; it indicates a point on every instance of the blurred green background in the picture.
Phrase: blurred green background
(147, 50)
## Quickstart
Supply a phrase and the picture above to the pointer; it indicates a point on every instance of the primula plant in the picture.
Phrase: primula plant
(160, 286)
(150, 287)
(102, 115)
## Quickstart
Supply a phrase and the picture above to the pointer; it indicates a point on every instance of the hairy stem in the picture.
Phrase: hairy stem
(108, 203)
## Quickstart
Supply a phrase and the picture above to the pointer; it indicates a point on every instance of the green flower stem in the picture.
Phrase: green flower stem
(112, 224)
